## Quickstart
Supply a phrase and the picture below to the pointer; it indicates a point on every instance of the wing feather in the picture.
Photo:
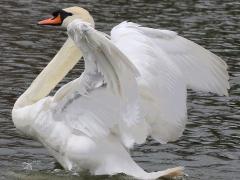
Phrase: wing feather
(202, 69)
(168, 64)
(104, 59)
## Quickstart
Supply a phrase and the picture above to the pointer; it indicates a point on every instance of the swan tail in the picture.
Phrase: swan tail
(168, 173)
(118, 160)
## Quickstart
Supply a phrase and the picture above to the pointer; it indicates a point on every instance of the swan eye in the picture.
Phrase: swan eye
(63, 14)
(56, 13)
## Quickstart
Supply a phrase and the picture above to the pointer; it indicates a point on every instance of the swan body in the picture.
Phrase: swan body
(133, 86)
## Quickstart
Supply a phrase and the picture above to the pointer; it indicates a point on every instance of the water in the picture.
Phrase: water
(210, 146)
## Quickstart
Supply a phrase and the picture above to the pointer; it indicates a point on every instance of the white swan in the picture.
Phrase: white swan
(133, 86)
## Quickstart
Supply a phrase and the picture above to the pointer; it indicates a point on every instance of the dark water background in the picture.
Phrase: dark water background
(210, 146)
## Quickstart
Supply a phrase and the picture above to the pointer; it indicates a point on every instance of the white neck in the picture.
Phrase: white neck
(51, 75)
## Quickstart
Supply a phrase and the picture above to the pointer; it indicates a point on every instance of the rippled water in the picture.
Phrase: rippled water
(210, 146)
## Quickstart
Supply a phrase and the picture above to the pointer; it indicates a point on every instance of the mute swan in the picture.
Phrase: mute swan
(133, 86)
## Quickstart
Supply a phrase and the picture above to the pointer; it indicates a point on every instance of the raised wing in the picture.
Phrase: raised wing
(105, 65)
(202, 69)
(168, 64)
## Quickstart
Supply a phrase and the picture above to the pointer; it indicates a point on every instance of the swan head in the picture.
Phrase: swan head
(63, 17)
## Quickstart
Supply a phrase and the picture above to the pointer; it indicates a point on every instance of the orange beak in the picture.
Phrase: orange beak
(51, 21)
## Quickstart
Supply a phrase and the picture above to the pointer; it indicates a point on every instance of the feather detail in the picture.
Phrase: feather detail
(168, 64)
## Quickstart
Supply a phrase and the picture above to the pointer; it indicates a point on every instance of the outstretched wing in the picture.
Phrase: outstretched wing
(168, 64)
(202, 69)
(105, 65)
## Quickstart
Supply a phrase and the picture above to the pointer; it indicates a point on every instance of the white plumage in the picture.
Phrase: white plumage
(134, 85)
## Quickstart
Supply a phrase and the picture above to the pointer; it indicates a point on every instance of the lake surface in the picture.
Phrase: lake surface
(210, 146)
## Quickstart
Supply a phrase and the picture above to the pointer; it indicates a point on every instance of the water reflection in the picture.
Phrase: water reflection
(210, 146)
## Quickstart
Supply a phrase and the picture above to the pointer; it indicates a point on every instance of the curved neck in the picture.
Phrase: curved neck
(51, 75)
